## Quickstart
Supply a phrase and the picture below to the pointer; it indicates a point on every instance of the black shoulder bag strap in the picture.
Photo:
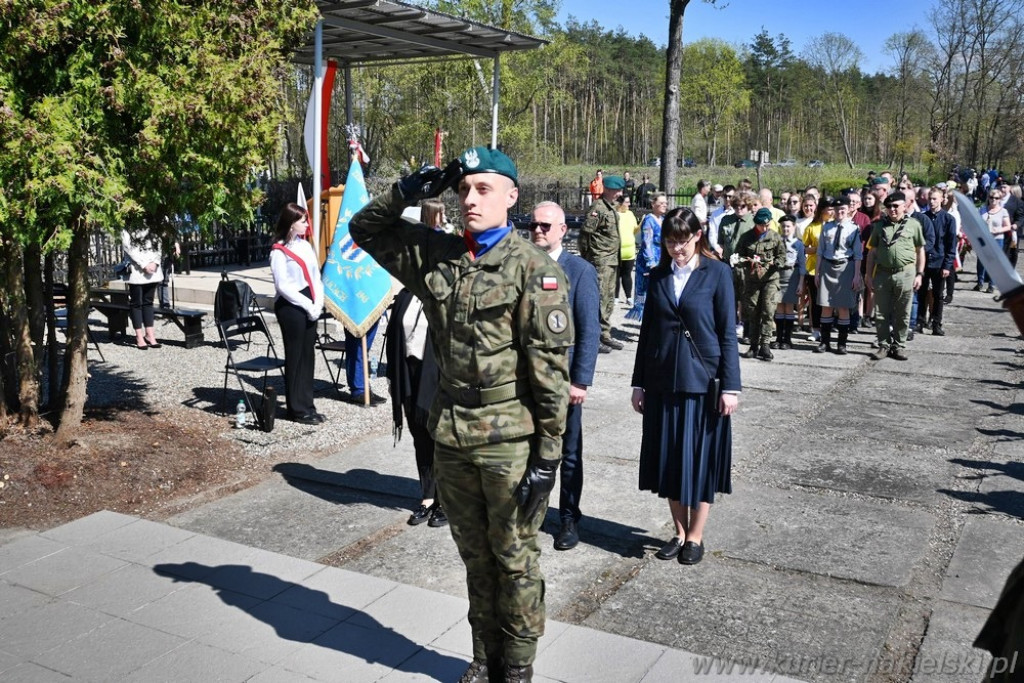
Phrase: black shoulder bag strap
(714, 383)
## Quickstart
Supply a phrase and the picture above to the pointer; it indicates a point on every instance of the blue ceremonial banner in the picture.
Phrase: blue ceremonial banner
(356, 289)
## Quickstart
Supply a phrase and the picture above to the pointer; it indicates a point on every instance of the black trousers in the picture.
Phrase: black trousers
(299, 335)
(625, 278)
(422, 441)
(933, 281)
(812, 290)
(140, 302)
(570, 479)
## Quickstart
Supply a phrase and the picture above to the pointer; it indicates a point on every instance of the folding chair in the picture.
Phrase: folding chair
(242, 339)
(329, 344)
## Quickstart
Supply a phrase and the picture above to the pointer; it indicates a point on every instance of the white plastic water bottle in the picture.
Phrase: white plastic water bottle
(240, 415)
(373, 367)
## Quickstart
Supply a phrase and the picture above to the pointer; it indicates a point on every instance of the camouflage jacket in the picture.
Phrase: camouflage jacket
(501, 321)
(599, 234)
(767, 254)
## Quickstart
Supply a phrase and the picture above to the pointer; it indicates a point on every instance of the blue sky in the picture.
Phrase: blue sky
(868, 23)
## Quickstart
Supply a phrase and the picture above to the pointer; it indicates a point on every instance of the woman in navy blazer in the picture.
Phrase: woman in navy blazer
(687, 341)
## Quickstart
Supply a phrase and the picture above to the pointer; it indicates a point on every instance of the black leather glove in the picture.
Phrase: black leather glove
(536, 485)
(429, 181)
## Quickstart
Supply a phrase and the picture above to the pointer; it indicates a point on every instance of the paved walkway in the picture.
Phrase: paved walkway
(877, 509)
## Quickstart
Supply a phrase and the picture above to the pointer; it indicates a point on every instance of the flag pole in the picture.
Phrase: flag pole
(318, 78)
(366, 372)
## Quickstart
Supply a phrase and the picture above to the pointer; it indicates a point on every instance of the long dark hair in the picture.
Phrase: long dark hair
(289, 214)
(680, 224)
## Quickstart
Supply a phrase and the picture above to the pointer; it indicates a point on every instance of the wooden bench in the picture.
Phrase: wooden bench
(113, 304)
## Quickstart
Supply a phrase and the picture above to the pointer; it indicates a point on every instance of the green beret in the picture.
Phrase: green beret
(878, 180)
(763, 216)
(614, 182)
(484, 160)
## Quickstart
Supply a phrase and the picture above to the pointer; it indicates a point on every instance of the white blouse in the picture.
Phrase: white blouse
(289, 280)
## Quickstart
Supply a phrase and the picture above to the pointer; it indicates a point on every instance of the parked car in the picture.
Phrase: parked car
(656, 162)
(745, 163)
(689, 163)
(786, 163)
(815, 163)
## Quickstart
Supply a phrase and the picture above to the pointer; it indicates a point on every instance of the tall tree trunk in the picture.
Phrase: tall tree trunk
(75, 359)
(34, 299)
(28, 386)
(673, 67)
(53, 383)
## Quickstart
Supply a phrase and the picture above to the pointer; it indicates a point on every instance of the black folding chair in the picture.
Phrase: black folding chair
(327, 343)
(244, 339)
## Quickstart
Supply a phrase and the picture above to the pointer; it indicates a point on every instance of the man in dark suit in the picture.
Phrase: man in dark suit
(547, 229)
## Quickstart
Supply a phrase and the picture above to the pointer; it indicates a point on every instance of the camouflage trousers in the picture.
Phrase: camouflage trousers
(607, 274)
(760, 297)
(476, 486)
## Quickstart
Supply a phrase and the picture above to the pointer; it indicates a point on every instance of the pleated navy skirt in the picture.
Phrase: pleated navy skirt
(686, 450)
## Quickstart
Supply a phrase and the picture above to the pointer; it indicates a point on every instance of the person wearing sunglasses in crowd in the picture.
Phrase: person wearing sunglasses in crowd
(547, 230)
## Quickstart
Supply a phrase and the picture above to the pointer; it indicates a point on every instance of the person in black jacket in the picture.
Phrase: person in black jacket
(939, 256)
(687, 351)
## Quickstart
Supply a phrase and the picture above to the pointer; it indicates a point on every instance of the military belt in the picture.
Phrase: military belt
(476, 397)
(898, 269)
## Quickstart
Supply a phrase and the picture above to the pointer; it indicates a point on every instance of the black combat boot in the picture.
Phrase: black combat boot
(780, 324)
(752, 351)
(844, 331)
(765, 353)
(826, 337)
(519, 674)
(788, 324)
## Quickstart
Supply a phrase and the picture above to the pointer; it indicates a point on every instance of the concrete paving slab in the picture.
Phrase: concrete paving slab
(26, 549)
(276, 674)
(946, 654)
(9, 661)
(582, 655)
(417, 615)
(109, 652)
(865, 414)
(266, 632)
(821, 534)
(277, 573)
(193, 611)
(17, 599)
(124, 590)
(33, 673)
(993, 487)
(34, 631)
(743, 612)
(935, 392)
(63, 571)
(873, 468)
(87, 528)
(979, 583)
(137, 540)
(195, 661)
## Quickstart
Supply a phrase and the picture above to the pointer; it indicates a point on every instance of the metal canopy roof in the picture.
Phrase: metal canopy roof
(367, 31)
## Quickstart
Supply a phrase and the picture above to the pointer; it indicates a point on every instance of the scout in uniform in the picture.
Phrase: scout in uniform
(599, 244)
(838, 278)
(760, 254)
(895, 268)
(498, 315)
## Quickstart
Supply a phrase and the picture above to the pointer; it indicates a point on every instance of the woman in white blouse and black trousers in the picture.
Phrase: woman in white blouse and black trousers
(299, 303)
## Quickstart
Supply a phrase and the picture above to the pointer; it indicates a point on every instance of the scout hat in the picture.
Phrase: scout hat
(614, 182)
(895, 197)
(763, 216)
(484, 160)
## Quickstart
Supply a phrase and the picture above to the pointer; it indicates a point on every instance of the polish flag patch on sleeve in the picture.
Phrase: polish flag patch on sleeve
(549, 282)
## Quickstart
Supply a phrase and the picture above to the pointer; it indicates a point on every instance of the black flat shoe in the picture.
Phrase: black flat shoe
(691, 553)
(670, 549)
(307, 419)
(568, 536)
(437, 517)
(142, 348)
(357, 399)
(154, 345)
(421, 514)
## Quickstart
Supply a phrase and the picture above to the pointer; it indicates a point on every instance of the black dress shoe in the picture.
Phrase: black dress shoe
(306, 419)
(691, 553)
(938, 331)
(670, 549)
(420, 515)
(568, 537)
(437, 517)
(358, 399)
(750, 353)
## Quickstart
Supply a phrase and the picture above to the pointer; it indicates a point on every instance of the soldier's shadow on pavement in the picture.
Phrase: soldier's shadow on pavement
(1011, 409)
(304, 615)
(1007, 502)
(348, 487)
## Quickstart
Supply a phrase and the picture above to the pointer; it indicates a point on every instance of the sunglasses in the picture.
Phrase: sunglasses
(544, 227)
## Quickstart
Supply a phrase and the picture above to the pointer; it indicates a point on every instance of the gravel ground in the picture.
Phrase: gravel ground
(173, 376)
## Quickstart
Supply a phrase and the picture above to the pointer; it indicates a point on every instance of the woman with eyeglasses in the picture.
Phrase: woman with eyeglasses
(997, 218)
(650, 252)
(686, 382)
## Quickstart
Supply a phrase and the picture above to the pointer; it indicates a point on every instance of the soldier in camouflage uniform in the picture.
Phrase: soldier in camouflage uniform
(599, 244)
(760, 253)
(498, 315)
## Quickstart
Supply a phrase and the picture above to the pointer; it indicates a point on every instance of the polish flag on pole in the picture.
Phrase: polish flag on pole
(326, 83)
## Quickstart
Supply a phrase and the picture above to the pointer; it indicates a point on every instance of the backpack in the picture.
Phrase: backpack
(234, 299)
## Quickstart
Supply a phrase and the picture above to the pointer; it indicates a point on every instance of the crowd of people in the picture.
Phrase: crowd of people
(881, 259)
